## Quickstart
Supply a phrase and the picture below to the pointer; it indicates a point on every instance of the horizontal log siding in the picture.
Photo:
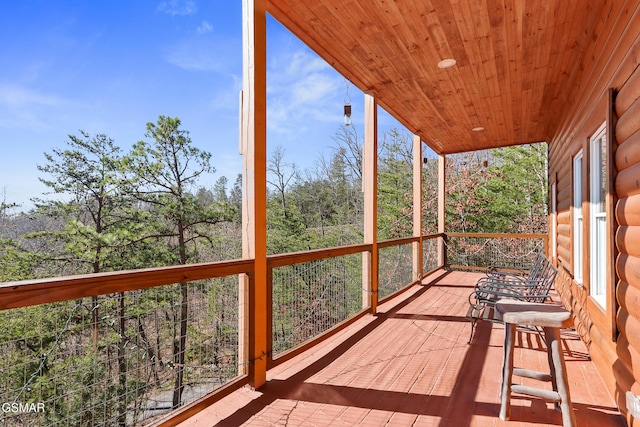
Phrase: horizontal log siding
(611, 62)
(628, 237)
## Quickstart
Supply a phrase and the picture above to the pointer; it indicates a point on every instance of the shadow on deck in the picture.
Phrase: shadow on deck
(410, 365)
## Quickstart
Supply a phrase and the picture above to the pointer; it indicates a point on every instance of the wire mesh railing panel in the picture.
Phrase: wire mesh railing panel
(395, 269)
(473, 253)
(311, 297)
(119, 359)
(430, 254)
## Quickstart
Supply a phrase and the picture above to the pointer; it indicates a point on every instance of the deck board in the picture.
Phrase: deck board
(410, 365)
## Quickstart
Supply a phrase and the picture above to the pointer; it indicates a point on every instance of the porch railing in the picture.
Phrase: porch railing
(476, 251)
(313, 292)
(121, 369)
(107, 349)
(396, 268)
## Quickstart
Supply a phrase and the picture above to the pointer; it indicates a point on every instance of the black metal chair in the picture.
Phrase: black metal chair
(535, 286)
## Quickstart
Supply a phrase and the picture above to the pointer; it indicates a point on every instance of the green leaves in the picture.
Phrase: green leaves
(395, 184)
(502, 190)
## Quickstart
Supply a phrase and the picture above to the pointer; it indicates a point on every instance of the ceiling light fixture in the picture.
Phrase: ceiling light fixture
(478, 129)
(447, 63)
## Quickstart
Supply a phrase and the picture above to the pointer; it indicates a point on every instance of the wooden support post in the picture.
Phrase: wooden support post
(254, 179)
(442, 200)
(370, 187)
(417, 207)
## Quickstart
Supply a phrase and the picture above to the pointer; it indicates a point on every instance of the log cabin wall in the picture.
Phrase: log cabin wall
(627, 237)
(608, 91)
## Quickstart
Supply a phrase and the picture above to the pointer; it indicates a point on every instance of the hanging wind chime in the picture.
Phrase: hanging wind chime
(347, 106)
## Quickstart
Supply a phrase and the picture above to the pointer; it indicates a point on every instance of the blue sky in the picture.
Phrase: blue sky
(111, 67)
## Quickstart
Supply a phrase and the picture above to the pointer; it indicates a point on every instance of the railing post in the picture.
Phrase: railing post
(417, 207)
(442, 200)
(253, 144)
(370, 188)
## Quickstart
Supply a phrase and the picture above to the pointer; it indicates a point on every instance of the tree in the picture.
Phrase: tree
(498, 191)
(16, 263)
(395, 183)
(281, 174)
(430, 196)
(162, 172)
(87, 178)
(220, 190)
(100, 222)
(467, 200)
(518, 189)
(235, 199)
(349, 147)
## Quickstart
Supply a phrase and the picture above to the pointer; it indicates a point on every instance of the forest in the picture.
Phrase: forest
(122, 359)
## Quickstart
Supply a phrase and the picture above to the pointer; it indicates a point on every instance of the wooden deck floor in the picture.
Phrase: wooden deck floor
(411, 366)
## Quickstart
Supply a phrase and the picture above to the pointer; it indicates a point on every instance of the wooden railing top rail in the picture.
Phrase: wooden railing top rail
(397, 242)
(499, 235)
(42, 291)
(432, 236)
(406, 240)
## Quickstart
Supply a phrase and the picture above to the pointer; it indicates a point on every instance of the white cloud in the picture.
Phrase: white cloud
(178, 7)
(302, 89)
(204, 28)
(22, 107)
(16, 96)
(205, 54)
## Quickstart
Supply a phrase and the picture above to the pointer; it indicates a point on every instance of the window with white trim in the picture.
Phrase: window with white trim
(578, 237)
(598, 216)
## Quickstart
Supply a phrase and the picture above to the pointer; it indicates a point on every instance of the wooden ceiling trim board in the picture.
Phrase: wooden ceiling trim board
(392, 12)
(513, 25)
(446, 18)
(425, 25)
(497, 18)
(557, 62)
(545, 37)
(565, 62)
(532, 14)
(350, 35)
(469, 82)
(480, 49)
(425, 76)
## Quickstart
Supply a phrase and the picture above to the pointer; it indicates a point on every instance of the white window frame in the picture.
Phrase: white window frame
(597, 218)
(578, 219)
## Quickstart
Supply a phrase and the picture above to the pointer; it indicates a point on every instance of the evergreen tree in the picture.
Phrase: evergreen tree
(162, 172)
(395, 183)
(99, 225)
(91, 199)
(518, 190)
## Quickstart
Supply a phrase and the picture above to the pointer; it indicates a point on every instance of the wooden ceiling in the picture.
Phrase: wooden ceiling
(516, 61)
